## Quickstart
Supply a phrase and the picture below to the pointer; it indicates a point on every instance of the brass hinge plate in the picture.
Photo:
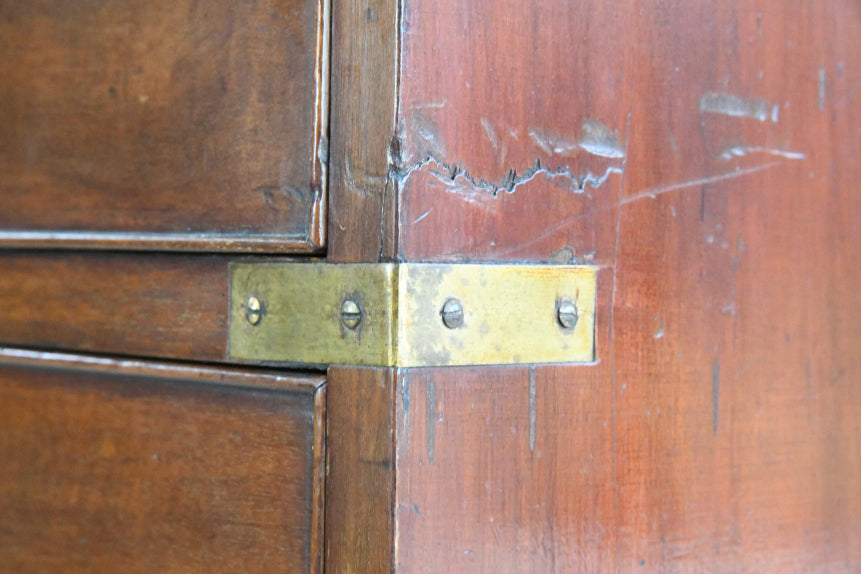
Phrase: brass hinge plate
(411, 314)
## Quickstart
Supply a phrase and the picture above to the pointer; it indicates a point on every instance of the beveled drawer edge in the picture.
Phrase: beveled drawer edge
(250, 378)
(154, 241)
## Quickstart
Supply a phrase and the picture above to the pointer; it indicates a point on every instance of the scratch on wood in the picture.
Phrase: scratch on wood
(660, 332)
(595, 138)
(741, 151)
(715, 394)
(430, 420)
(808, 371)
(552, 143)
(656, 191)
(821, 89)
(403, 438)
(732, 105)
(531, 409)
(422, 216)
(429, 105)
(491, 133)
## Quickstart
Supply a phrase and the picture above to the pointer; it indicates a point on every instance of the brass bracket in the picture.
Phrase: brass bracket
(411, 314)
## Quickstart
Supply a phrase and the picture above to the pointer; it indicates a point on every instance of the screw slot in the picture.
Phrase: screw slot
(351, 314)
(566, 314)
(452, 313)
(253, 310)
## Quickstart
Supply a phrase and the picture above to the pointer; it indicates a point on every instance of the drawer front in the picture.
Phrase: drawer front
(172, 306)
(150, 467)
(163, 124)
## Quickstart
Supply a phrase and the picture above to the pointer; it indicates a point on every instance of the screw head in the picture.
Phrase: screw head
(452, 313)
(351, 314)
(566, 314)
(253, 310)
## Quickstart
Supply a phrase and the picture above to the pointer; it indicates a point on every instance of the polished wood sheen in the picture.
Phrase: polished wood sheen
(129, 304)
(363, 212)
(150, 467)
(179, 125)
(360, 484)
(704, 157)
(701, 155)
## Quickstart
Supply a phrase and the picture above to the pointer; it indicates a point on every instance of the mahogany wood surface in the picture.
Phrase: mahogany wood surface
(704, 157)
(362, 214)
(120, 303)
(151, 467)
(360, 477)
(202, 121)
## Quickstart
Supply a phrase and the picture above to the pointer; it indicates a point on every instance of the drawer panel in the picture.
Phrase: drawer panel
(166, 306)
(151, 467)
(163, 124)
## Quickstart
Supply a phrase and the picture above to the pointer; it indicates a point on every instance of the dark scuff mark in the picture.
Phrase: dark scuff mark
(564, 256)
(531, 409)
(430, 421)
(715, 394)
(385, 463)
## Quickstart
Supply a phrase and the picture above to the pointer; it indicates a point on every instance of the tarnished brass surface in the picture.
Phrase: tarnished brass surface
(509, 314)
(413, 314)
(301, 317)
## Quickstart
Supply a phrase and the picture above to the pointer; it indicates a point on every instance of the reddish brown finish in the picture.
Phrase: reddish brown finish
(359, 470)
(193, 120)
(118, 470)
(364, 109)
(718, 429)
(147, 305)
(504, 470)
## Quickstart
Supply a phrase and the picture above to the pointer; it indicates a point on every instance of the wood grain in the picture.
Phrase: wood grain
(145, 305)
(116, 469)
(362, 213)
(504, 469)
(703, 157)
(140, 117)
(360, 470)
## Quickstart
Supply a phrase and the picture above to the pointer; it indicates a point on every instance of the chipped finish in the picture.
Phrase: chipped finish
(737, 106)
(599, 140)
(723, 240)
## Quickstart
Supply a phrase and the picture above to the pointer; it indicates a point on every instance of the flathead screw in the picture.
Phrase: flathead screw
(452, 314)
(566, 314)
(351, 314)
(253, 310)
